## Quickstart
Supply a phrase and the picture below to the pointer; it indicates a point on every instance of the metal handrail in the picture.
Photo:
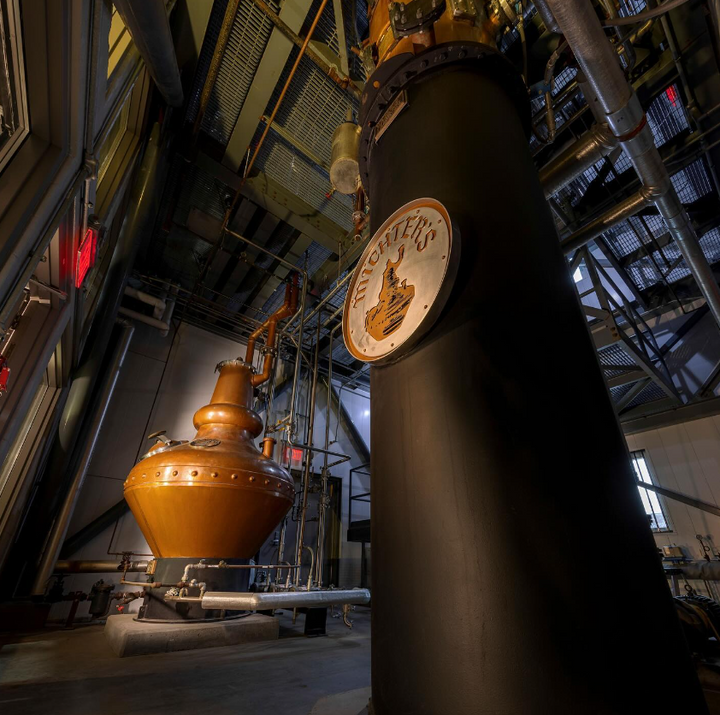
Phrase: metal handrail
(357, 497)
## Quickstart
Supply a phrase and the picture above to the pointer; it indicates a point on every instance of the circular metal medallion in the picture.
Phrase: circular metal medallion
(401, 282)
(205, 443)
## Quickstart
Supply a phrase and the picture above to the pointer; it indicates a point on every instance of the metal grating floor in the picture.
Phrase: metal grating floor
(290, 168)
(312, 109)
(612, 358)
(206, 52)
(651, 393)
(248, 38)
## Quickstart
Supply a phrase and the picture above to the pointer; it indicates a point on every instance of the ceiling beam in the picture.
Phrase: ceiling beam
(277, 200)
(272, 64)
(342, 40)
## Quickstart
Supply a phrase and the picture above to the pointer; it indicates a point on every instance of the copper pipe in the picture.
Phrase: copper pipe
(220, 45)
(268, 446)
(338, 78)
(287, 309)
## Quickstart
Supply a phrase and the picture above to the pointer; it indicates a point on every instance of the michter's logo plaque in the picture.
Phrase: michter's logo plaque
(401, 282)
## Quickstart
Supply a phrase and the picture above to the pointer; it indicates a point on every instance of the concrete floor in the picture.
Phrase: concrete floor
(76, 673)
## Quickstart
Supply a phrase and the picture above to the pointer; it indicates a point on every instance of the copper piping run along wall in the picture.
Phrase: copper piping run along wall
(487, 596)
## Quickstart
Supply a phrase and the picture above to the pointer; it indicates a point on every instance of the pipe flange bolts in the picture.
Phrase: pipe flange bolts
(205, 443)
(233, 361)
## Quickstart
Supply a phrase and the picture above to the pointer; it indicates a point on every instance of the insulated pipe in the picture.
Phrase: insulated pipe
(161, 325)
(474, 467)
(150, 30)
(146, 298)
(701, 570)
(60, 527)
(577, 158)
(217, 600)
(614, 216)
(547, 17)
(100, 567)
(167, 317)
(623, 113)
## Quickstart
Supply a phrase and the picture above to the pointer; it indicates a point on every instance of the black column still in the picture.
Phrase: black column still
(513, 568)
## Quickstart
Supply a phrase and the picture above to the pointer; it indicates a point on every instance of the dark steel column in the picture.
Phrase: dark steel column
(501, 483)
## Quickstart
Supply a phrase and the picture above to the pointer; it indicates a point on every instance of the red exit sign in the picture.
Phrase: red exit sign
(293, 455)
(85, 256)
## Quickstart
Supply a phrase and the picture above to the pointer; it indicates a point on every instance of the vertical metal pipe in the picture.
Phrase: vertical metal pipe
(281, 547)
(547, 17)
(59, 530)
(298, 355)
(308, 455)
(271, 388)
(322, 503)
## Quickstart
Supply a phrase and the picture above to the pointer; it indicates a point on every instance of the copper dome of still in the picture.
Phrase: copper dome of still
(217, 496)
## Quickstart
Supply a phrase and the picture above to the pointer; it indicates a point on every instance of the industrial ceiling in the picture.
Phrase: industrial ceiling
(641, 301)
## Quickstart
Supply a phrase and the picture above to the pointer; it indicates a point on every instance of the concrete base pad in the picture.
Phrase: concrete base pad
(351, 702)
(128, 637)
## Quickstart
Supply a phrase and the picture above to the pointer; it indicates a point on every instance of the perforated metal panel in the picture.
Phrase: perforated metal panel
(293, 170)
(611, 358)
(206, 52)
(651, 393)
(250, 33)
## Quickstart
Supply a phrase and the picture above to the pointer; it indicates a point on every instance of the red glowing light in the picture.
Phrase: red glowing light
(294, 455)
(85, 256)
(672, 94)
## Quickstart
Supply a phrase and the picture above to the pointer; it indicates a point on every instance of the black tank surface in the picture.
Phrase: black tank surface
(499, 472)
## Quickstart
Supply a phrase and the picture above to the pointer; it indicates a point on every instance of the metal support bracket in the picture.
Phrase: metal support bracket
(415, 16)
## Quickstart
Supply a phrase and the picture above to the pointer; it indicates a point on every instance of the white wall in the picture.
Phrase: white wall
(685, 458)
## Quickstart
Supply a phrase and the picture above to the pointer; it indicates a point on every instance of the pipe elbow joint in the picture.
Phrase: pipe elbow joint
(627, 121)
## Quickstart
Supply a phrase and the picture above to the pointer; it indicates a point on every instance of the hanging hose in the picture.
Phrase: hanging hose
(549, 82)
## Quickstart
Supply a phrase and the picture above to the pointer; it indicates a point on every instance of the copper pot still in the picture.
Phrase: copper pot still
(218, 495)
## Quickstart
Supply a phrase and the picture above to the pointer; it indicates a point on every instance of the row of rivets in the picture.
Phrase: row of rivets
(194, 473)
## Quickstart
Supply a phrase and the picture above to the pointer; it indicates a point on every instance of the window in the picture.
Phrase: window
(650, 500)
(119, 41)
(117, 131)
(13, 102)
